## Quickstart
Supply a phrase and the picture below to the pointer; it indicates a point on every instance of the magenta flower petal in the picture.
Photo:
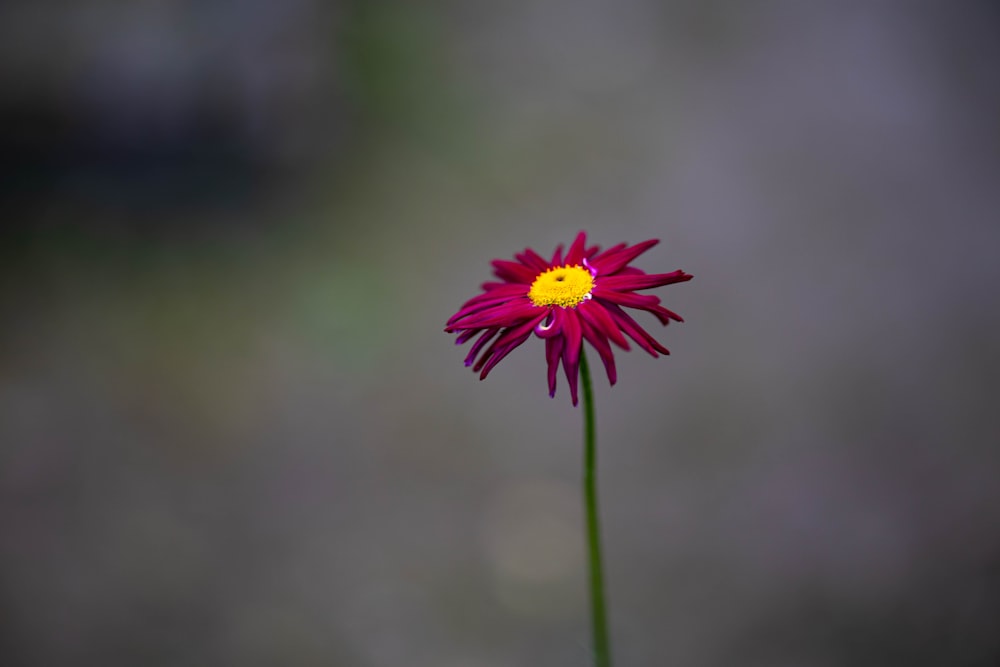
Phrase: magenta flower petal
(557, 256)
(573, 335)
(576, 297)
(478, 345)
(499, 298)
(612, 262)
(610, 251)
(553, 353)
(645, 281)
(532, 259)
(502, 315)
(505, 344)
(636, 332)
(464, 337)
(645, 302)
(597, 315)
(513, 272)
(572, 371)
(576, 251)
(600, 343)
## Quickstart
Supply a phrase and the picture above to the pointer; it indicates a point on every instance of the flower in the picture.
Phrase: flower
(564, 301)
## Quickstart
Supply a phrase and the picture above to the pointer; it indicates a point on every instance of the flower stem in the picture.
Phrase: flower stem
(598, 616)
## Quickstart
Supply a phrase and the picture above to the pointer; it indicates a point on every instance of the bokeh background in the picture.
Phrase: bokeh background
(233, 432)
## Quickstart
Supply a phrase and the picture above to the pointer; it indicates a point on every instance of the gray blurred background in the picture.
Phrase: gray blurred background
(232, 431)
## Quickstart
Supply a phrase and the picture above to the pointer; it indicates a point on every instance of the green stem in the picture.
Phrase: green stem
(598, 616)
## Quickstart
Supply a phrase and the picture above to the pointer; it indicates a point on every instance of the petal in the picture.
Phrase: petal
(532, 259)
(612, 262)
(595, 314)
(509, 340)
(610, 251)
(487, 301)
(600, 343)
(636, 332)
(506, 314)
(513, 272)
(505, 344)
(573, 336)
(494, 291)
(554, 326)
(478, 345)
(553, 352)
(646, 302)
(629, 282)
(576, 253)
(572, 372)
(557, 256)
(466, 335)
(573, 333)
(498, 354)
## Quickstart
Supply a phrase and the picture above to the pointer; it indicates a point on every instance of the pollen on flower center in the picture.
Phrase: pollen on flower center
(565, 286)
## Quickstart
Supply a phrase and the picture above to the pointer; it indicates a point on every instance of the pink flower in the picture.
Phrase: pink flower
(564, 301)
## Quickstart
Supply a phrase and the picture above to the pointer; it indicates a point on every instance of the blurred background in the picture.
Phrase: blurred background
(233, 432)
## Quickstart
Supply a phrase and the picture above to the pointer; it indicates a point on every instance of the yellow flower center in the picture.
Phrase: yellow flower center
(564, 286)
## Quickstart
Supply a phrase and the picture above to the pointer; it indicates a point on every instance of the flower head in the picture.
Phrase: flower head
(572, 298)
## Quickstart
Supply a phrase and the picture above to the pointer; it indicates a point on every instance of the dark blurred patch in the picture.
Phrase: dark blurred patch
(49, 152)
(168, 120)
(148, 115)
